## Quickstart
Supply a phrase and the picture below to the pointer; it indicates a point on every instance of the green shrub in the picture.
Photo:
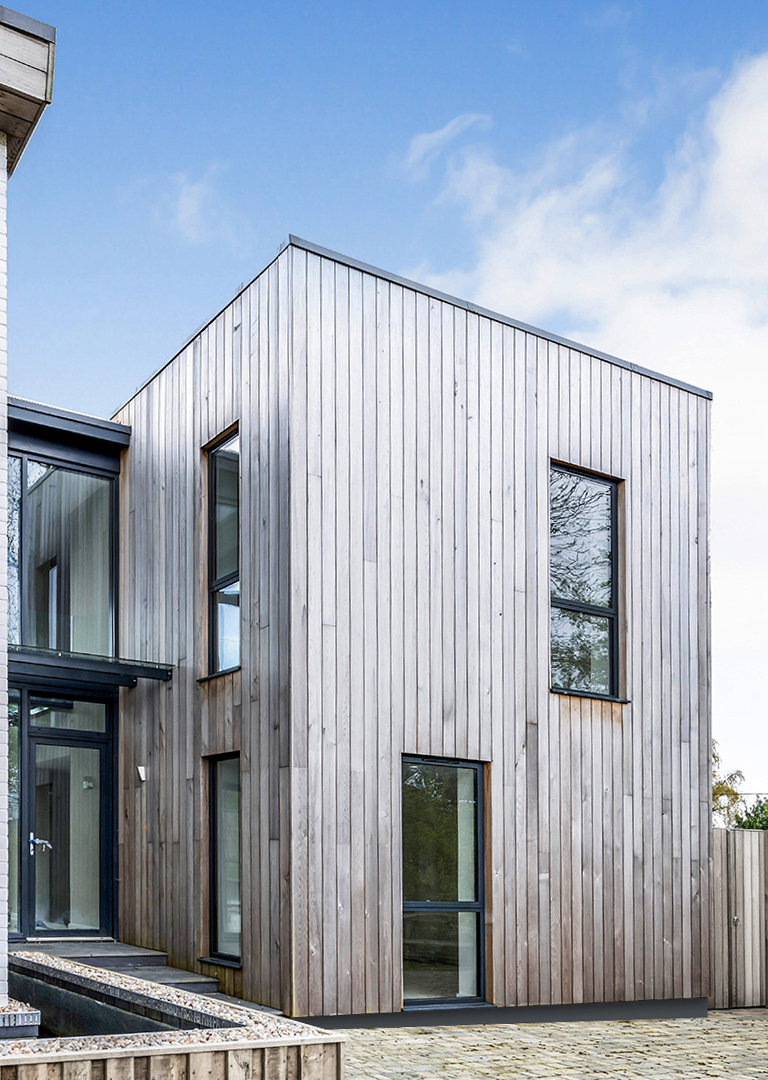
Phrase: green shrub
(754, 818)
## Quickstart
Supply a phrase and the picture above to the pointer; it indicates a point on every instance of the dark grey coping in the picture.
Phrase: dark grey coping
(51, 416)
(27, 24)
(456, 1015)
(366, 268)
(315, 249)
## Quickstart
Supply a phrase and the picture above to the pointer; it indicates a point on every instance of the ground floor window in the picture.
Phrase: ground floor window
(442, 881)
(226, 919)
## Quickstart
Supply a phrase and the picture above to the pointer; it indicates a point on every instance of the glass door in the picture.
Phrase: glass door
(65, 838)
(60, 880)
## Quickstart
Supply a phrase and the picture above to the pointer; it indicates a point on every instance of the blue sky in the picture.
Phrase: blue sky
(599, 169)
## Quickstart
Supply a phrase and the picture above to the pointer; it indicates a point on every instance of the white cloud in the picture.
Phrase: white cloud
(195, 210)
(187, 205)
(609, 17)
(424, 148)
(676, 281)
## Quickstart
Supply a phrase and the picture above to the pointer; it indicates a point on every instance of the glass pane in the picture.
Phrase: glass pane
(14, 814)
(226, 464)
(581, 651)
(439, 832)
(68, 817)
(14, 550)
(580, 538)
(227, 857)
(49, 712)
(67, 564)
(227, 632)
(440, 954)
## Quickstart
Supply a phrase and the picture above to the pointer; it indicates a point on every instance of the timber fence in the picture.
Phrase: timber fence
(739, 918)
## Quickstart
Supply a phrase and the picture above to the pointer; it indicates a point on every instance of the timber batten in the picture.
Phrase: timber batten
(395, 460)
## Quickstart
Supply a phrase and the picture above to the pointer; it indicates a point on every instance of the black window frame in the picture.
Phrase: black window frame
(107, 742)
(213, 905)
(51, 459)
(216, 584)
(611, 613)
(476, 906)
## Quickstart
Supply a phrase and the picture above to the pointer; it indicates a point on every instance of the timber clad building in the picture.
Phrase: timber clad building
(416, 713)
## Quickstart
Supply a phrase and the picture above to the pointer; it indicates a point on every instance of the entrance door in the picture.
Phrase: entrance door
(60, 881)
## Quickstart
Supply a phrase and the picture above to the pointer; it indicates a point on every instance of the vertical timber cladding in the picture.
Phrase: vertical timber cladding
(235, 370)
(395, 589)
(421, 437)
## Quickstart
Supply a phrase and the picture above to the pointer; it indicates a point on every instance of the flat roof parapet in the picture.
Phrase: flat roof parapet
(42, 30)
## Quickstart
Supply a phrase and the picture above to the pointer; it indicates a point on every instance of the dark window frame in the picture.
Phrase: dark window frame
(213, 892)
(87, 469)
(476, 906)
(30, 735)
(216, 584)
(612, 612)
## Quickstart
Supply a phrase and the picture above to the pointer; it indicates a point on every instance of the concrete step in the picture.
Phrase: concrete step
(149, 964)
(181, 980)
(113, 955)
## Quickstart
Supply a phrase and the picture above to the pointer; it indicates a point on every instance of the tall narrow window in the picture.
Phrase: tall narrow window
(225, 555)
(14, 814)
(584, 638)
(442, 881)
(225, 857)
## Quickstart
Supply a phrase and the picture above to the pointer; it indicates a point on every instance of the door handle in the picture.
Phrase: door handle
(36, 841)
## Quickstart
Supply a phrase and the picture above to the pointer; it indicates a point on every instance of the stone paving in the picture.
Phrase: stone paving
(728, 1044)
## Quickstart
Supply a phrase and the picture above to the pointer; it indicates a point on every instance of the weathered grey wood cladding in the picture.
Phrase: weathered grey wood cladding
(739, 918)
(396, 451)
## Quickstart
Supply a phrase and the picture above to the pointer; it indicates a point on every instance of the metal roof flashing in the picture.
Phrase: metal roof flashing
(307, 245)
(54, 426)
(367, 268)
(37, 29)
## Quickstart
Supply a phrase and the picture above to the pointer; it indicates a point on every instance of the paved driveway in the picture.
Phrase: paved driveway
(728, 1045)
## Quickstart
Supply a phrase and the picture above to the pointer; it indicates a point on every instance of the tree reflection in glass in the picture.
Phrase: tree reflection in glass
(580, 538)
(583, 621)
(439, 860)
(441, 889)
(580, 651)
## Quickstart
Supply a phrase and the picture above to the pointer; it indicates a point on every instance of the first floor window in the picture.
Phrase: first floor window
(583, 585)
(60, 557)
(442, 881)
(226, 925)
(224, 461)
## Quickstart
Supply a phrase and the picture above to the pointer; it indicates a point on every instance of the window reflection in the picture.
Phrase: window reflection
(582, 554)
(226, 928)
(59, 558)
(442, 890)
(580, 651)
(14, 550)
(14, 813)
(580, 538)
(225, 555)
(440, 954)
(439, 825)
(59, 712)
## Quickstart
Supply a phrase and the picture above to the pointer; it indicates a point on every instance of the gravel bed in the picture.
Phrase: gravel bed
(219, 1022)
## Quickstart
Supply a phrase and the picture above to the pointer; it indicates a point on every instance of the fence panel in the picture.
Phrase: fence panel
(739, 927)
